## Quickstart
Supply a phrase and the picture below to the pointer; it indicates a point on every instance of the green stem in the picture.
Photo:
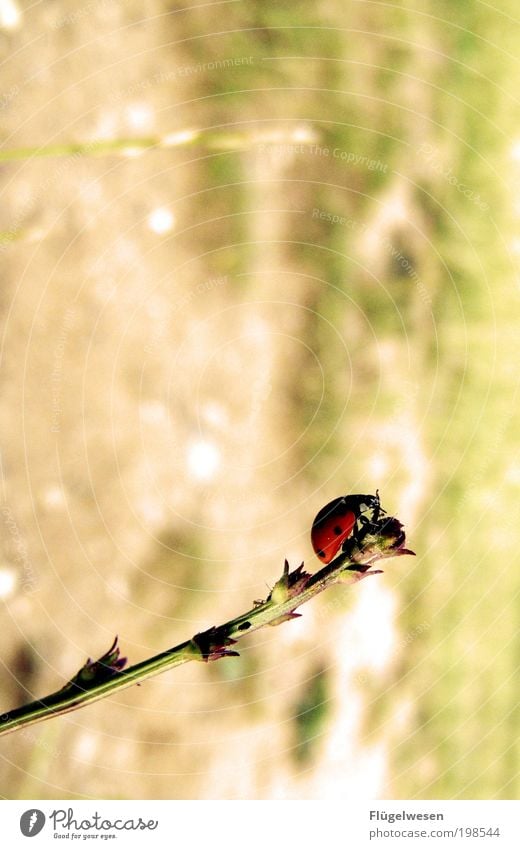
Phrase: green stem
(271, 611)
(209, 139)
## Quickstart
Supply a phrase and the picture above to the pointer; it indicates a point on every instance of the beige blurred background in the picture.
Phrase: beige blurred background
(307, 287)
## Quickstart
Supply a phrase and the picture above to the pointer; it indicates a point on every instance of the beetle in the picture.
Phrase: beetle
(345, 519)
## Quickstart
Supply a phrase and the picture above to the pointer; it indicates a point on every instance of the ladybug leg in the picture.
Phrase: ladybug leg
(376, 507)
(350, 545)
(364, 526)
(368, 524)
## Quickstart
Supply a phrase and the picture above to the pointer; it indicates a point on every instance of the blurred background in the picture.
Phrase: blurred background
(289, 271)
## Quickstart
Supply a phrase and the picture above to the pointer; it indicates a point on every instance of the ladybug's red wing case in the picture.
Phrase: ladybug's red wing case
(342, 518)
(331, 527)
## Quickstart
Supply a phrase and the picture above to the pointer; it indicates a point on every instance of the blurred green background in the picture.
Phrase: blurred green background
(202, 344)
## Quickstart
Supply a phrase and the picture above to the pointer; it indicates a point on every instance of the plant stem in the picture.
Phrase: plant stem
(279, 605)
(217, 139)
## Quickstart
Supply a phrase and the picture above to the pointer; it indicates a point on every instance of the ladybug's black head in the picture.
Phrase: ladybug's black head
(364, 504)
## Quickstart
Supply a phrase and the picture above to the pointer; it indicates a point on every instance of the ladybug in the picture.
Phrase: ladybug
(347, 518)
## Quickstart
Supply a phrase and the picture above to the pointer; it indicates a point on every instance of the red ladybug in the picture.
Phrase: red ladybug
(349, 516)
